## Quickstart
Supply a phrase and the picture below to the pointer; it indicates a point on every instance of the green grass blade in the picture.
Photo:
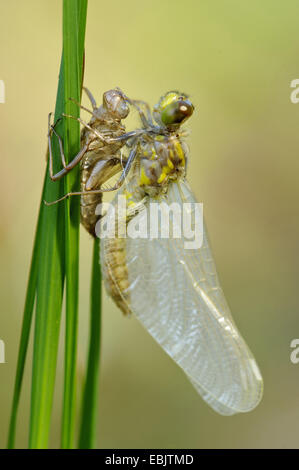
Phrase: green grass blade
(47, 325)
(49, 296)
(74, 20)
(91, 388)
(27, 316)
(47, 270)
(50, 279)
(25, 334)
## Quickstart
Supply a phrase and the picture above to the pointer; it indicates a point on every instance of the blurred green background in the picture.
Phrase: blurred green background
(236, 60)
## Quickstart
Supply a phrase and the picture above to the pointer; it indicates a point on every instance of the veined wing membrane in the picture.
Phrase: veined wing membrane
(176, 295)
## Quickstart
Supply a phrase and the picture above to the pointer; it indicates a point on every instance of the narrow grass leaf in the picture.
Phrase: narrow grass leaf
(74, 20)
(50, 279)
(25, 334)
(30, 296)
(91, 388)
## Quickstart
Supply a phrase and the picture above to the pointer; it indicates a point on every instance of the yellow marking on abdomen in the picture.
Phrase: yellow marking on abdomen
(161, 177)
(170, 164)
(144, 179)
(179, 151)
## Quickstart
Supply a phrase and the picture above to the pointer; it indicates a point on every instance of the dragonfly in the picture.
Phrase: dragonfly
(174, 292)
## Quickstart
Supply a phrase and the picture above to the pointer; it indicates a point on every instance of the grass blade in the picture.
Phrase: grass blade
(51, 273)
(55, 254)
(74, 14)
(50, 279)
(25, 334)
(29, 305)
(91, 388)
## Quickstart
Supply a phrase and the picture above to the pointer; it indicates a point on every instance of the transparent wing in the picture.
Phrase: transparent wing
(176, 295)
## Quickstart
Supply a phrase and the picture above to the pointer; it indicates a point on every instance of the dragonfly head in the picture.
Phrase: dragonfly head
(173, 109)
(116, 103)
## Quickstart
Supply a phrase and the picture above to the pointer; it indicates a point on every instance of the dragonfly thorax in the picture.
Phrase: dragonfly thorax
(162, 159)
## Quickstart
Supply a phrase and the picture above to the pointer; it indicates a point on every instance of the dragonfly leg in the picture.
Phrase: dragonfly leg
(123, 176)
(124, 173)
(91, 98)
(77, 193)
(127, 136)
(82, 107)
(51, 130)
(147, 119)
(108, 140)
(68, 167)
(93, 131)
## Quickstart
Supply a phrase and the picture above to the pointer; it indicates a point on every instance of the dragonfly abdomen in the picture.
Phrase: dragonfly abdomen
(88, 202)
(115, 273)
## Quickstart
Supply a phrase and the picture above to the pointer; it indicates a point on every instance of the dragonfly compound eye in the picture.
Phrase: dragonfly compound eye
(177, 112)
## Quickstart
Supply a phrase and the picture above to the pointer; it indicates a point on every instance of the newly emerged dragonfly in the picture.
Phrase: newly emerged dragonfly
(174, 291)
